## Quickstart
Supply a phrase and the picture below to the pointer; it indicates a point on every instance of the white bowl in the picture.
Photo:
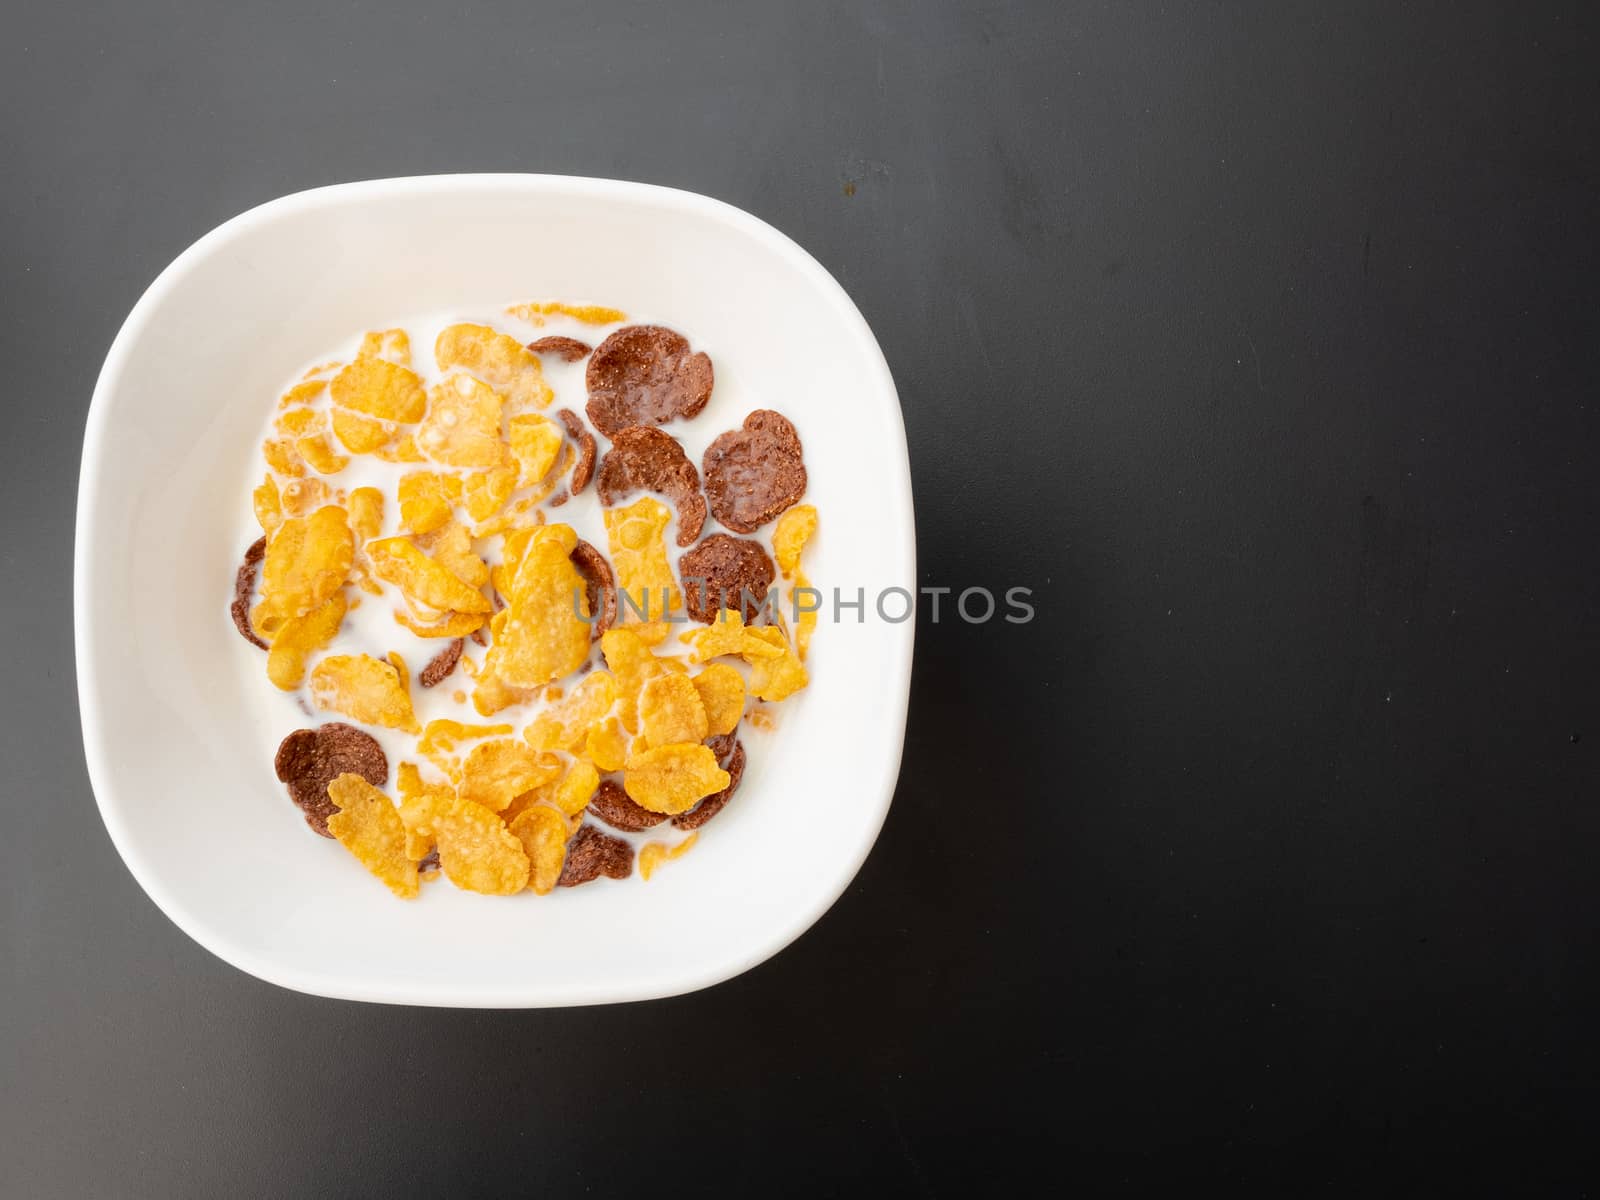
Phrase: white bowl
(180, 763)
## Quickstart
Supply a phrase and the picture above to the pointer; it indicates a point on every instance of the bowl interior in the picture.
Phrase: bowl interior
(170, 694)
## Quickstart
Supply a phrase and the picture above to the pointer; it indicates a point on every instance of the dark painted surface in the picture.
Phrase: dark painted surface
(1268, 851)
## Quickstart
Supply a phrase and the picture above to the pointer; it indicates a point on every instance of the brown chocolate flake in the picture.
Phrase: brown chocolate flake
(308, 760)
(565, 348)
(244, 586)
(730, 757)
(617, 809)
(645, 375)
(441, 664)
(591, 854)
(599, 583)
(645, 459)
(725, 572)
(586, 451)
(754, 473)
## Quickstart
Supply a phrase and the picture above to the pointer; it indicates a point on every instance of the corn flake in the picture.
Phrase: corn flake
(375, 387)
(477, 852)
(359, 434)
(368, 826)
(590, 314)
(542, 636)
(306, 561)
(653, 854)
(426, 500)
(485, 492)
(564, 725)
(790, 535)
(673, 779)
(497, 772)
(268, 505)
(462, 428)
(363, 688)
(299, 638)
(647, 592)
(536, 442)
(424, 581)
(391, 344)
(721, 689)
(501, 361)
(543, 833)
(670, 710)
(605, 746)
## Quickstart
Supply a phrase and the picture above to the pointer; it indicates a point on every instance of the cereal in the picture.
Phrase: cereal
(589, 314)
(789, 536)
(591, 854)
(477, 852)
(368, 826)
(376, 387)
(441, 664)
(647, 592)
(363, 688)
(646, 459)
(565, 348)
(645, 375)
(391, 344)
(308, 760)
(359, 434)
(498, 771)
(320, 456)
(301, 497)
(671, 711)
(306, 561)
(426, 500)
(462, 428)
(565, 724)
(544, 635)
(484, 492)
(244, 585)
(500, 361)
(543, 834)
(721, 689)
(451, 547)
(441, 738)
(535, 444)
(776, 677)
(600, 587)
(586, 449)
(267, 505)
(281, 456)
(723, 571)
(605, 746)
(752, 474)
(424, 581)
(730, 757)
(453, 625)
(633, 665)
(672, 779)
(611, 805)
(307, 391)
(653, 854)
(299, 638)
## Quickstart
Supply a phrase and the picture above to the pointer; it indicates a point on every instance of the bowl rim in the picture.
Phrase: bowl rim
(97, 757)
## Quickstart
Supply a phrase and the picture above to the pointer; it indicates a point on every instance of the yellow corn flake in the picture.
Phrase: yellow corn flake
(364, 689)
(391, 344)
(454, 625)
(442, 738)
(670, 710)
(496, 772)
(359, 434)
(426, 500)
(268, 505)
(424, 581)
(301, 497)
(721, 689)
(368, 826)
(462, 428)
(419, 804)
(490, 695)
(645, 583)
(307, 561)
(298, 422)
(653, 854)
(605, 745)
(502, 362)
(729, 635)
(400, 669)
(320, 456)
(764, 641)
(542, 636)
(305, 392)
(577, 788)
(485, 492)
(790, 535)
(806, 621)
(634, 664)
(366, 513)
(299, 638)
(564, 724)
(535, 444)
(477, 851)
(673, 779)
(451, 547)
(590, 314)
(776, 677)
(543, 834)
(378, 388)
(282, 457)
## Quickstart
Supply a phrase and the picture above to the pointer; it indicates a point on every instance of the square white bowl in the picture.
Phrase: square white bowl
(180, 764)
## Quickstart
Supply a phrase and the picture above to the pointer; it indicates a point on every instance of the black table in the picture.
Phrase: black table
(1258, 340)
